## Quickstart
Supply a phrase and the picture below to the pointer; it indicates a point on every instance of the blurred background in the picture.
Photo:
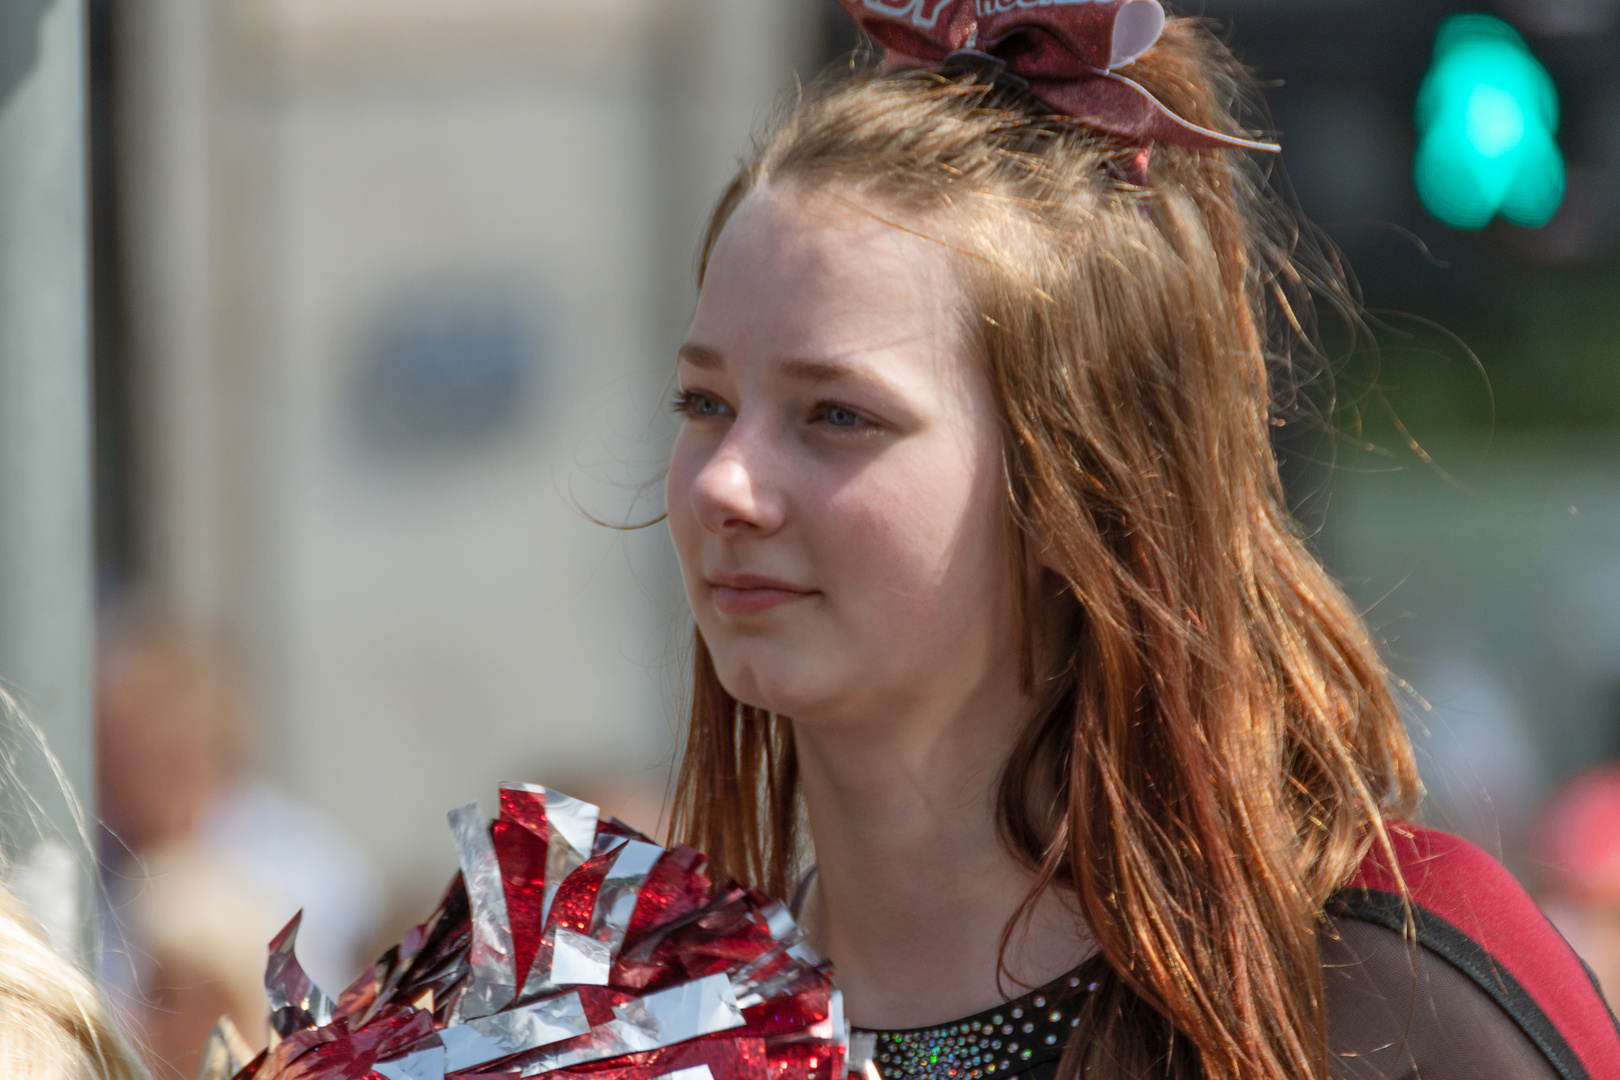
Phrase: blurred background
(385, 294)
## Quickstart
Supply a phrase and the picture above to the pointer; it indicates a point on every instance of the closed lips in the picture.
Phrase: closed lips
(753, 581)
(746, 594)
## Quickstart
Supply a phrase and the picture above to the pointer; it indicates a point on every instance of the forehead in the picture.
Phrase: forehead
(827, 270)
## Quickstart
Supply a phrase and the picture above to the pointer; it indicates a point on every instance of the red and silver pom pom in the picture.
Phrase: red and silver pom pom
(569, 947)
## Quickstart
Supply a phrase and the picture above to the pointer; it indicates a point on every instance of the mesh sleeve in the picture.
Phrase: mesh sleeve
(1396, 1012)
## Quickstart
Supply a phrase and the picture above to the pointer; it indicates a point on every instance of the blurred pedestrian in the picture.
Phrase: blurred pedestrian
(203, 862)
(1580, 844)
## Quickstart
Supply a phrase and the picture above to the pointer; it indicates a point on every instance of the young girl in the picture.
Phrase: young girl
(1001, 621)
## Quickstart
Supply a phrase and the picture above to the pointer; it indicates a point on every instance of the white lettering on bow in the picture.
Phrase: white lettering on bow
(922, 13)
(996, 7)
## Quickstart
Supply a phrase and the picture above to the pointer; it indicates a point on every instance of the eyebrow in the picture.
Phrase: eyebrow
(813, 371)
(700, 356)
(818, 371)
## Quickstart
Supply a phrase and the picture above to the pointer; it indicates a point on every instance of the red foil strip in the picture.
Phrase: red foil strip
(340, 1055)
(522, 855)
(728, 1057)
(816, 1060)
(526, 808)
(576, 896)
(676, 887)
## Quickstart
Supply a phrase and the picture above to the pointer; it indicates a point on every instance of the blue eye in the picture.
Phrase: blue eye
(696, 406)
(841, 416)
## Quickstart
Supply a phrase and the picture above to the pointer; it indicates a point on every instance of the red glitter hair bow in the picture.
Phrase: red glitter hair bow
(1067, 51)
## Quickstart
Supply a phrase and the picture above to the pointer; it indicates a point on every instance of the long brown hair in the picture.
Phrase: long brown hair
(1218, 746)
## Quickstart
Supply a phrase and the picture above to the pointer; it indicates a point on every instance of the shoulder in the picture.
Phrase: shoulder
(1468, 912)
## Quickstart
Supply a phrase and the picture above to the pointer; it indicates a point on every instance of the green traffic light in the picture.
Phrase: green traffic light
(1487, 119)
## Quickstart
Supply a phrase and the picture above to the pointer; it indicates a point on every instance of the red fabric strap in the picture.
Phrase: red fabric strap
(1457, 882)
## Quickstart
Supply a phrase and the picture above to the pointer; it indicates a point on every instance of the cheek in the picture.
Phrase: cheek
(923, 542)
(685, 462)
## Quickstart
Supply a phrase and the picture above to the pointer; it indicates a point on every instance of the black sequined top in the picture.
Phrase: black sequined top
(1395, 1012)
(1461, 978)
(1023, 1037)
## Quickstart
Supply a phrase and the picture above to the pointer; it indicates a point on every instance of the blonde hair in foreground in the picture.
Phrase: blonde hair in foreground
(1218, 747)
(53, 1026)
(53, 1023)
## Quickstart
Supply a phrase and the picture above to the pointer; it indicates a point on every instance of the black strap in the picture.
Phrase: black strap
(1472, 959)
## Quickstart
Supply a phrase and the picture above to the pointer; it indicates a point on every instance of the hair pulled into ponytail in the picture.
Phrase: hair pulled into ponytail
(1219, 748)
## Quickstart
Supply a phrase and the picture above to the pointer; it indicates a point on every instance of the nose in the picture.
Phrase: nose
(732, 494)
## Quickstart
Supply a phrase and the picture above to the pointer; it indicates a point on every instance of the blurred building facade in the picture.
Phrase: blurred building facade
(403, 280)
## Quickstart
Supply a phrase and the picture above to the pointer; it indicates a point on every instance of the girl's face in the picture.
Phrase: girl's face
(836, 494)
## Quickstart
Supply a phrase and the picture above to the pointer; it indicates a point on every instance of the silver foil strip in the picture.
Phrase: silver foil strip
(494, 981)
(802, 952)
(573, 822)
(424, 1064)
(692, 1072)
(774, 971)
(574, 819)
(780, 922)
(295, 1001)
(862, 1055)
(839, 1024)
(577, 960)
(677, 1013)
(572, 841)
(662, 1018)
(489, 1038)
(580, 959)
(616, 901)
(753, 991)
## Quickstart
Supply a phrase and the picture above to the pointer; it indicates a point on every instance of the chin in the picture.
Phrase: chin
(788, 689)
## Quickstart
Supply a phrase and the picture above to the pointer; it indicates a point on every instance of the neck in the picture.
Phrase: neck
(915, 885)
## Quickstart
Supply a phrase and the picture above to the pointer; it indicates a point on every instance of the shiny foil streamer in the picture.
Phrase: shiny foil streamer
(675, 888)
(346, 1055)
(521, 853)
(721, 1059)
(692, 1072)
(362, 994)
(806, 1060)
(295, 1001)
(779, 921)
(662, 1018)
(794, 1007)
(494, 983)
(614, 827)
(439, 967)
(621, 891)
(491, 1038)
(577, 959)
(588, 958)
(574, 822)
(641, 969)
(525, 804)
(571, 907)
(423, 1064)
